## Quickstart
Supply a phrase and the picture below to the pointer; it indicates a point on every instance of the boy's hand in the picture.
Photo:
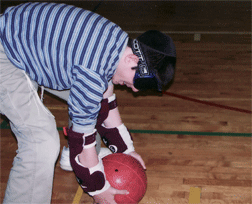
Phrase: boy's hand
(107, 197)
(138, 157)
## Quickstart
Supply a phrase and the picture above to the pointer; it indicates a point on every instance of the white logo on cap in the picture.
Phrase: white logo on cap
(138, 50)
(142, 66)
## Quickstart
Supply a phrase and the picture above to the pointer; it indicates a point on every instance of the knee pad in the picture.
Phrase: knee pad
(92, 180)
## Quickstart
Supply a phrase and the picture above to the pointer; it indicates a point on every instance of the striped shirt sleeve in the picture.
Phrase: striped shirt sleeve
(84, 100)
(64, 47)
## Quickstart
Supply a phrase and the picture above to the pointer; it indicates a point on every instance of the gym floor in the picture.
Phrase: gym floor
(196, 137)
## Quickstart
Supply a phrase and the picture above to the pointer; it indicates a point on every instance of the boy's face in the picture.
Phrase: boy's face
(125, 71)
(125, 77)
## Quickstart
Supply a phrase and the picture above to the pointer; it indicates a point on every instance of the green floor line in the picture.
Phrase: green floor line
(192, 133)
(4, 125)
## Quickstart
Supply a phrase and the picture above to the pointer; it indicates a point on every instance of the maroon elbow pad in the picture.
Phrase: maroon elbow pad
(117, 139)
(92, 180)
(106, 105)
(103, 113)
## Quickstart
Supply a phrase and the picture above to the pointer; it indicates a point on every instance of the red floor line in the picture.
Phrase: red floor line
(207, 103)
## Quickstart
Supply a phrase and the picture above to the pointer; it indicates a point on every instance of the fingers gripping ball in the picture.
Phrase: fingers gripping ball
(124, 172)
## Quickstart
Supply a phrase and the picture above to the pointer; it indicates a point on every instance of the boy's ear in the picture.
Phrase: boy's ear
(131, 58)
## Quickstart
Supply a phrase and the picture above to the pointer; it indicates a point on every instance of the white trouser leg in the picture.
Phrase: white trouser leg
(31, 177)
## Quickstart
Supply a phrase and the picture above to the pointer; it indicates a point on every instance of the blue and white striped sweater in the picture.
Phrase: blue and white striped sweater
(65, 47)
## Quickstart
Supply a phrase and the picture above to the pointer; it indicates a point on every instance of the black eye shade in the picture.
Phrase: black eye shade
(145, 83)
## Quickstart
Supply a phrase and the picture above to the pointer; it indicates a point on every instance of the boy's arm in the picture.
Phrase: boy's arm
(85, 162)
(114, 126)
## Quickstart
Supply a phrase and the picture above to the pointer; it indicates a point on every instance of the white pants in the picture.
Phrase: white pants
(31, 177)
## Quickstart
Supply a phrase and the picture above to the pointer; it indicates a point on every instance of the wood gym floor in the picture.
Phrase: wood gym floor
(196, 137)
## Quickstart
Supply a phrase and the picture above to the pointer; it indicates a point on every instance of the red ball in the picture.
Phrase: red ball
(124, 172)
